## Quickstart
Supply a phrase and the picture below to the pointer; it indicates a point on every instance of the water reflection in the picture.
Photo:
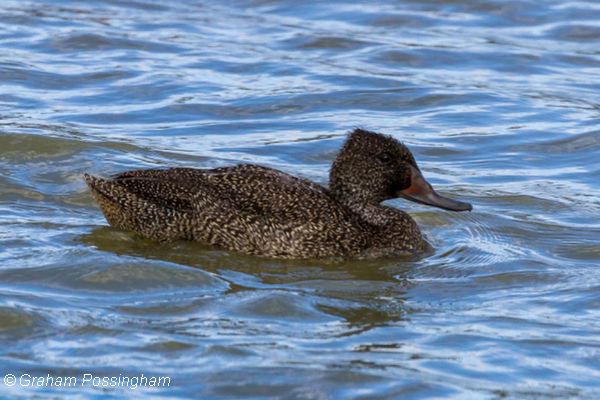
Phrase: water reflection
(364, 293)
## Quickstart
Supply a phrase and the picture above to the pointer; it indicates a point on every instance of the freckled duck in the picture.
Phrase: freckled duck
(265, 212)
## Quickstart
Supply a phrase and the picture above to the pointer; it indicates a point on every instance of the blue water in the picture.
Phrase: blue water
(499, 102)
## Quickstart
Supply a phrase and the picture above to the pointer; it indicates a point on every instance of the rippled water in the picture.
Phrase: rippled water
(499, 101)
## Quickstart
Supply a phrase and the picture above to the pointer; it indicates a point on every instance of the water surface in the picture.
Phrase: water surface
(499, 102)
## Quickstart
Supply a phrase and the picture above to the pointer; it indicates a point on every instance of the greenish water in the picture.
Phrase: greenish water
(499, 102)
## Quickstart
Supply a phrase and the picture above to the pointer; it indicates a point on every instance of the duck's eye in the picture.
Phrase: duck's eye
(385, 158)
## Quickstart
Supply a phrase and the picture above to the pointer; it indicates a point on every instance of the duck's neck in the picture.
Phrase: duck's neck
(370, 211)
(392, 226)
(378, 214)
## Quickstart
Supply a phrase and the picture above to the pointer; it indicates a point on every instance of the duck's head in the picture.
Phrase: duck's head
(372, 168)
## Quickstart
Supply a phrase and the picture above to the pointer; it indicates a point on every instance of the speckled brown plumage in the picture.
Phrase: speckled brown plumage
(265, 212)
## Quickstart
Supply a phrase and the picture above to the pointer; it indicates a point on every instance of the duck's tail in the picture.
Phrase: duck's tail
(126, 210)
(114, 200)
(108, 190)
(100, 187)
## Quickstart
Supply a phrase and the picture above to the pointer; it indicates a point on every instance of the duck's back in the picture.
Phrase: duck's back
(247, 208)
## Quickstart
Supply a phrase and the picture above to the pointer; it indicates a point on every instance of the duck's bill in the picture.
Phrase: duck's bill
(420, 191)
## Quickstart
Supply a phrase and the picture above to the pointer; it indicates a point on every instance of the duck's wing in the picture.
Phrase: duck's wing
(261, 191)
(166, 189)
(172, 174)
(173, 188)
(246, 189)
